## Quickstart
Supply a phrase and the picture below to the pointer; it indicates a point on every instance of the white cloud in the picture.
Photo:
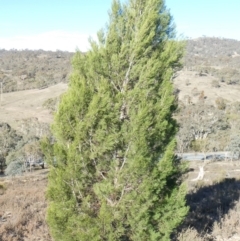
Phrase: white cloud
(67, 41)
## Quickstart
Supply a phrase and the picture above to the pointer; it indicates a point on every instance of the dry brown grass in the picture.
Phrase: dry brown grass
(229, 226)
(23, 208)
(25, 104)
(204, 83)
(214, 204)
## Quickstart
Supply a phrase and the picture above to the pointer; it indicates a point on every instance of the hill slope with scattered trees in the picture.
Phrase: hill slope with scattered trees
(208, 113)
(26, 69)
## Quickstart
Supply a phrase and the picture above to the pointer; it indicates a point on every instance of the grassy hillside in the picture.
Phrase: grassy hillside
(207, 89)
(20, 105)
(26, 69)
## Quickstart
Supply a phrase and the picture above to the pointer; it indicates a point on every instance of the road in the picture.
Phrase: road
(198, 156)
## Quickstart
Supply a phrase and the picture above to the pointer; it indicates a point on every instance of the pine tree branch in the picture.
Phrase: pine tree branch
(114, 86)
(125, 157)
(80, 194)
(123, 112)
(109, 201)
(126, 80)
(102, 175)
(122, 193)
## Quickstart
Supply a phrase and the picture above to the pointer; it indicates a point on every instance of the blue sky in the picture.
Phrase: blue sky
(67, 24)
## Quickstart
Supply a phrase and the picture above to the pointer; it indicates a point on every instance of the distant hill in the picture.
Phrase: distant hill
(207, 88)
(26, 69)
(217, 57)
(21, 70)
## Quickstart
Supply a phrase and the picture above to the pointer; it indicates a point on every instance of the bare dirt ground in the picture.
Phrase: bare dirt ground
(28, 103)
(186, 81)
(214, 205)
(214, 172)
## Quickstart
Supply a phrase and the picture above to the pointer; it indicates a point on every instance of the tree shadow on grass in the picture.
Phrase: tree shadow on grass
(209, 204)
(2, 175)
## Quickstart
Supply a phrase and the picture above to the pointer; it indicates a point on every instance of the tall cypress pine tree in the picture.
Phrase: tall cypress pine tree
(115, 175)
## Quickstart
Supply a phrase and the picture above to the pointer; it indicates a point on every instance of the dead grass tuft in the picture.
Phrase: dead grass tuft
(23, 208)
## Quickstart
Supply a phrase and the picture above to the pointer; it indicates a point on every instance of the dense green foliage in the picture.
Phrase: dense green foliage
(21, 146)
(115, 176)
(9, 139)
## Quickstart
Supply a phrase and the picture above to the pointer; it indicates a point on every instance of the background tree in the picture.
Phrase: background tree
(116, 176)
(16, 167)
(9, 140)
(198, 122)
(32, 154)
(234, 146)
(2, 163)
